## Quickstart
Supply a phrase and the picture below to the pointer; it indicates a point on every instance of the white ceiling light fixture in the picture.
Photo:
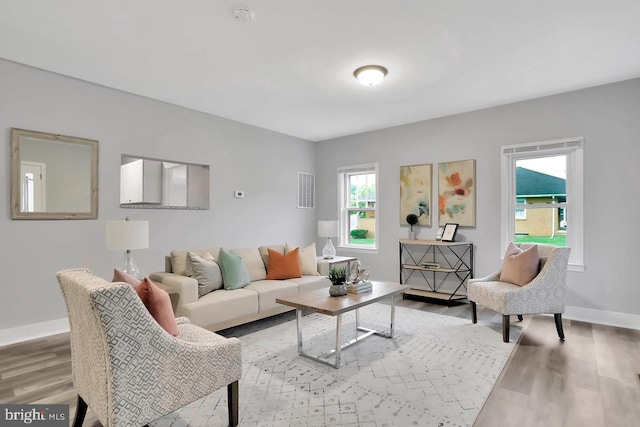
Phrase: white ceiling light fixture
(370, 75)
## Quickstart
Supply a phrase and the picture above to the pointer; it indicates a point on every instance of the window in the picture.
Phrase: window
(358, 206)
(547, 178)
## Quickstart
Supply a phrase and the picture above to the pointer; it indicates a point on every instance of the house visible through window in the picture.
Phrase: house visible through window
(358, 206)
(521, 213)
(542, 195)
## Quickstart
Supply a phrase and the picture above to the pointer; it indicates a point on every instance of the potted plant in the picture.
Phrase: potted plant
(412, 219)
(337, 277)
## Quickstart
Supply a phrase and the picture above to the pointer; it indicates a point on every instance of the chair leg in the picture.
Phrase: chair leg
(506, 320)
(81, 411)
(520, 317)
(558, 318)
(474, 312)
(232, 402)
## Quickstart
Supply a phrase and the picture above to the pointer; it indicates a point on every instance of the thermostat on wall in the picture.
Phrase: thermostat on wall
(238, 194)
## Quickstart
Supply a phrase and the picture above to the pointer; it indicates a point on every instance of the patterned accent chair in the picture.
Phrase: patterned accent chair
(545, 294)
(128, 369)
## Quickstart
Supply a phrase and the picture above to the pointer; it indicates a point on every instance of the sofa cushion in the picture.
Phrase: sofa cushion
(283, 266)
(206, 271)
(269, 290)
(221, 306)
(307, 258)
(520, 267)
(253, 262)
(310, 283)
(158, 303)
(264, 252)
(179, 264)
(234, 270)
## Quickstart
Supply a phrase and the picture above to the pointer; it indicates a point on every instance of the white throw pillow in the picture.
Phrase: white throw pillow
(206, 271)
(307, 258)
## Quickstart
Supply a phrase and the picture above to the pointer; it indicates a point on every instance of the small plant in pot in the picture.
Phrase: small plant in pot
(337, 277)
(412, 219)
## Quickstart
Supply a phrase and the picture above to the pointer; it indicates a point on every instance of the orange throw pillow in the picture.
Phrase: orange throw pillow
(520, 267)
(158, 303)
(283, 266)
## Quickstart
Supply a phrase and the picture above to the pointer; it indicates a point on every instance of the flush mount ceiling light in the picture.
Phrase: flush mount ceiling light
(370, 75)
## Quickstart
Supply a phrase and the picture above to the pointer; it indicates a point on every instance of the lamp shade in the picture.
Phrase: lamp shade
(328, 228)
(127, 235)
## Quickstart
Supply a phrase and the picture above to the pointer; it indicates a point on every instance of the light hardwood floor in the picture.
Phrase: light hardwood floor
(592, 379)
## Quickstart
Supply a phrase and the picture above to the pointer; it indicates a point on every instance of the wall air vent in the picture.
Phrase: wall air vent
(306, 190)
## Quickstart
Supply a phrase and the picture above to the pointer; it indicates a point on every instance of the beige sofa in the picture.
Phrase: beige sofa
(222, 308)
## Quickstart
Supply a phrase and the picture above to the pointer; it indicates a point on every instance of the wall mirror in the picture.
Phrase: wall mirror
(53, 176)
(162, 184)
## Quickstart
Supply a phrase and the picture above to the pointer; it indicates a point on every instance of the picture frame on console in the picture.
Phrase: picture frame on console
(449, 233)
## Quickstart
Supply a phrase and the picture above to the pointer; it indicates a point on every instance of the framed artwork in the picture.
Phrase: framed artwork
(415, 193)
(457, 193)
(449, 233)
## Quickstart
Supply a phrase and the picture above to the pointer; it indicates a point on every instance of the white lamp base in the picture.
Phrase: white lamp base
(328, 252)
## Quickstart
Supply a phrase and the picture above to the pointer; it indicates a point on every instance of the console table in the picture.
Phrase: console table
(436, 264)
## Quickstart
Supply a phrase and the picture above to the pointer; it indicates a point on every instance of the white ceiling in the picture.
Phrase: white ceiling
(290, 70)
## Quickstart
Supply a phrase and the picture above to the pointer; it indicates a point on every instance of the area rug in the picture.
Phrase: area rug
(437, 371)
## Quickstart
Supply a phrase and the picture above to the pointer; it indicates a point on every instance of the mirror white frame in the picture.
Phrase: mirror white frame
(20, 137)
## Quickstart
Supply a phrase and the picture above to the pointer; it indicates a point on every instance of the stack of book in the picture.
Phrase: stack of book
(430, 265)
(359, 288)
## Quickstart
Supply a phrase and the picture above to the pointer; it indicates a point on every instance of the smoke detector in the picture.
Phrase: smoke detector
(243, 14)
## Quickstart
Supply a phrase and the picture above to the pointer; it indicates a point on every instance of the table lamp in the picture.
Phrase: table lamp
(328, 229)
(126, 236)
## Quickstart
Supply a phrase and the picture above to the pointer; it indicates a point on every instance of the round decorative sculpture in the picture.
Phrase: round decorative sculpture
(357, 274)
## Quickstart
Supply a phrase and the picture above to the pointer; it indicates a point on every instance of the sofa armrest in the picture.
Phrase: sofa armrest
(185, 287)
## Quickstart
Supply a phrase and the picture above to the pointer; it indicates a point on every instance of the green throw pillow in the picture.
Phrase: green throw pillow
(234, 273)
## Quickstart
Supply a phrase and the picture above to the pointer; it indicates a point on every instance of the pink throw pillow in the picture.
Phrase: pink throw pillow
(158, 303)
(155, 299)
(520, 267)
(121, 276)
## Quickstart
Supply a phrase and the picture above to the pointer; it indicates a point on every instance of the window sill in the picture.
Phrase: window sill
(576, 267)
(360, 249)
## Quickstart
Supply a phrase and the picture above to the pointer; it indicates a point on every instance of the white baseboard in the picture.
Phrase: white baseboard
(33, 331)
(58, 326)
(611, 318)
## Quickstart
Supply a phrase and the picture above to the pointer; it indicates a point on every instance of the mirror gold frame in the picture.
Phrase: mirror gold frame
(72, 188)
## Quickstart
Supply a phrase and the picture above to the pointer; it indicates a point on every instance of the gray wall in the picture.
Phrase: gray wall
(606, 116)
(262, 163)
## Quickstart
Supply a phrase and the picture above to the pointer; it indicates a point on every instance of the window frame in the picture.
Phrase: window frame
(523, 216)
(573, 148)
(344, 173)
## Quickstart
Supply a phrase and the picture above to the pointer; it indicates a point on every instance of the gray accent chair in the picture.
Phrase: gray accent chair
(545, 294)
(128, 369)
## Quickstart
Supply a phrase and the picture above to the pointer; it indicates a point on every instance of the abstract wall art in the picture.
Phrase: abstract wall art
(415, 193)
(457, 193)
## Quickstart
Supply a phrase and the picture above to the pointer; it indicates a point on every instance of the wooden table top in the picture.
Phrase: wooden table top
(320, 301)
